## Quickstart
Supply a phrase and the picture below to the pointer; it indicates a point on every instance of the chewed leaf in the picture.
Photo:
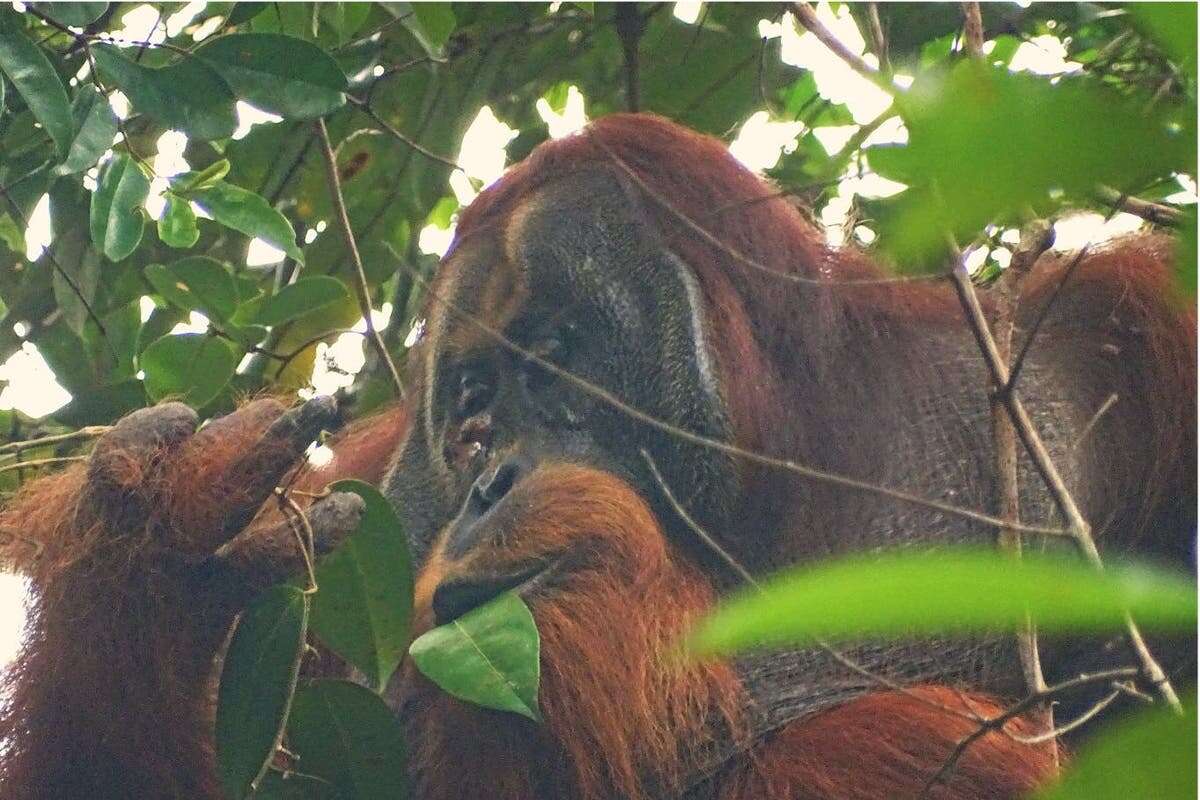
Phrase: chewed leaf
(488, 656)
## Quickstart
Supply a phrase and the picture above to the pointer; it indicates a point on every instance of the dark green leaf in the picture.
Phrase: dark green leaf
(362, 609)
(116, 215)
(246, 212)
(908, 593)
(1172, 26)
(193, 367)
(95, 126)
(189, 181)
(76, 15)
(37, 82)
(299, 298)
(244, 12)
(1151, 755)
(277, 73)
(348, 736)
(1185, 255)
(188, 95)
(177, 226)
(198, 283)
(257, 682)
(488, 656)
(434, 24)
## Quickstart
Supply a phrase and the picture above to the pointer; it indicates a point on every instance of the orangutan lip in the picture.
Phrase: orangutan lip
(457, 596)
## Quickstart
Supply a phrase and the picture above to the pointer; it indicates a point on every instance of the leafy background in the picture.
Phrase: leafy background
(166, 226)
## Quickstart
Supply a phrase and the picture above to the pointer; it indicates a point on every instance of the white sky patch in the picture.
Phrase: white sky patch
(13, 591)
(248, 116)
(1187, 190)
(146, 307)
(119, 103)
(482, 155)
(197, 323)
(835, 80)
(168, 161)
(37, 234)
(572, 119)
(760, 142)
(141, 24)
(688, 11)
(207, 28)
(32, 388)
(1043, 55)
(319, 455)
(1074, 231)
(261, 253)
(183, 17)
(435, 241)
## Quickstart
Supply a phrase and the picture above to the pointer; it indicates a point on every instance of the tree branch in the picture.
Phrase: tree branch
(364, 294)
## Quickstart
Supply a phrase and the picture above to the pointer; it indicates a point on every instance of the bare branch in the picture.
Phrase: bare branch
(879, 43)
(1078, 526)
(973, 29)
(1157, 213)
(364, 295)
(630, 27)
(808, 18)
(88, 432)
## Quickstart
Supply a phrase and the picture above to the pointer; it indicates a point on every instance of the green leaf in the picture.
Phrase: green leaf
(258, 679)
(193, 367)
(1185, 255)
(277, 73)
(188, 95)
(189, 181)
(244, 12)
(198, 283)
(436, 22)
(348, 736)
(913, 593)
(488, 656)
(247, 213)
(362, 609)
(95, 126)
(300, 298)
(76, 15)
(985, 144)
(1152, 754)
(1172, 26)
(36, 81)
(116, 215)
(177, 226)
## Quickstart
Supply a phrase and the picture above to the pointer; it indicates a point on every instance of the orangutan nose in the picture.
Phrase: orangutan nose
(488, 490)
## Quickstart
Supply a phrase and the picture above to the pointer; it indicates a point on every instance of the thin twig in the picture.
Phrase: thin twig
(807, 17)
(42, 462)
(1105, 407)
(87, 432)
(732, 252)
(305, 539)
(1063, 499)
(709, 443)
(879, 42)
(364, 294)
(630, 27)
(1157, 213)
(1017, 709)
(412, 143)
(1036, 239)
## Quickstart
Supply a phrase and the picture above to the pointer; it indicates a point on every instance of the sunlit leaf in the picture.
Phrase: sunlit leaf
(76, 15)
(907, 593)
(188, 95)
(34, 78)
(95, 125)
(192, 367)
(1152, 754)
(248, 213)
(177, 226)
(198, 283)
(984, 144)
(300, 298)
(258, 679)
(362, 609)
(117, 218)
(347, 735)
(488, 656)
(277, 73)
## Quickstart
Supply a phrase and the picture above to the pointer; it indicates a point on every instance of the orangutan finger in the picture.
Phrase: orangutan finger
(258, 559)
(265, 463)
(121, 457)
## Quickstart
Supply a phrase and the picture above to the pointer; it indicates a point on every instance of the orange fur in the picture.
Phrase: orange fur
(612, 680)
(891, 744)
